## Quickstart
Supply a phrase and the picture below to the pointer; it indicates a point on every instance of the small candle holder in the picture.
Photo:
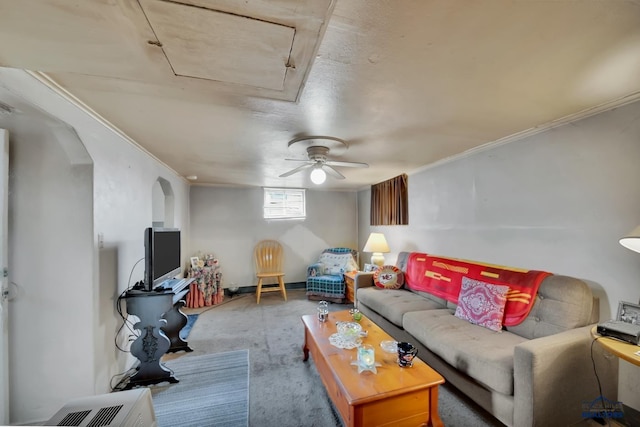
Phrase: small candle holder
(366, 359)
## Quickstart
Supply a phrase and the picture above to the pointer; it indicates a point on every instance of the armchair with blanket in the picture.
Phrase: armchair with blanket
(325, 278)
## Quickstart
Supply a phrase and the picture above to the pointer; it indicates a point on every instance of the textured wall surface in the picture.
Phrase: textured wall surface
(228, 222)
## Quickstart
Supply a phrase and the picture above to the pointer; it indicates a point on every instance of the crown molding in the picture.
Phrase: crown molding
(572, 118)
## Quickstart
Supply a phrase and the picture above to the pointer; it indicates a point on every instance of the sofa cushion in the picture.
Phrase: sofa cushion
(394, 303)
(477, 352)
(562, 303)
(482, 303)
(388, 277)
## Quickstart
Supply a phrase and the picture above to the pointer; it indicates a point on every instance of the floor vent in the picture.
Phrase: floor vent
(74, 418)
(130, 408)
(105, 416)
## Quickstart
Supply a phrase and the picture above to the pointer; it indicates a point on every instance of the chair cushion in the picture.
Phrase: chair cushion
(326, 278)
(335, 270)
(326, 285)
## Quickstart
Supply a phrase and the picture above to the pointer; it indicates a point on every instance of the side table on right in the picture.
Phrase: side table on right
(627, 351)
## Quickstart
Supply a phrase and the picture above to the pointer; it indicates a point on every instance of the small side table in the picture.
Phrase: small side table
(349, 279)
(624, 350)
(206, 289)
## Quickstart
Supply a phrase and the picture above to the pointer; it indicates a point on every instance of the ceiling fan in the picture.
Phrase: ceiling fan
(317, 149)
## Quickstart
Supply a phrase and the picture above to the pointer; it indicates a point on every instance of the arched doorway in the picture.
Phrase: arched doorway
(163, 204)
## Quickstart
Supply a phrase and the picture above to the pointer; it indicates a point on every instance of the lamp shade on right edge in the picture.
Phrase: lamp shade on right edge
(632, 240)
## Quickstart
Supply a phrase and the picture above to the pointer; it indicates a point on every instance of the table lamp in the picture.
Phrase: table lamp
(377, 244)
(632, 241)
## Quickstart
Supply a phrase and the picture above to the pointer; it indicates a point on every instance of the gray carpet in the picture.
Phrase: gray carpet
(213, 391)
(284, 390)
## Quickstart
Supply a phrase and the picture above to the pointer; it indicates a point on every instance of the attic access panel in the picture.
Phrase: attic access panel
(214, 45)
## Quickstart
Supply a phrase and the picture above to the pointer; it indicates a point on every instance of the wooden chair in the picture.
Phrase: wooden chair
(268, 258)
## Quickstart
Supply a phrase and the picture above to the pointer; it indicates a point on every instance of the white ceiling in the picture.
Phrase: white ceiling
(217, 88)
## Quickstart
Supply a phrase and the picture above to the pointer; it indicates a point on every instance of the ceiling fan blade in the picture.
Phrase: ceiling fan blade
(331, 171)
(302, 160)
(298, 169)
(346, 164)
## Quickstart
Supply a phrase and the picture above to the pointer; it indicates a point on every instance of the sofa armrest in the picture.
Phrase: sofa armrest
(554, 376)
(316, 269)
(361, 280)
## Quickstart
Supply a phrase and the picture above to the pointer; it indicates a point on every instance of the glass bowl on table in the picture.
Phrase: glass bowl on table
(350, 332)
(349, 335)
(389, 346)
(349, 329)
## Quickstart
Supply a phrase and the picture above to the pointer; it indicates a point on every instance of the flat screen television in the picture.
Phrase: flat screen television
(161, 255)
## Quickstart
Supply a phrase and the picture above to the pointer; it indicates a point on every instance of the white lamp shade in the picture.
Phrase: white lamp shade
(377, 244)
(632, 240)
(318, 176)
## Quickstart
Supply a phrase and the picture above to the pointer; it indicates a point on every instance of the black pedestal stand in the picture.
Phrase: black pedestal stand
(152, 342)
(176, 320)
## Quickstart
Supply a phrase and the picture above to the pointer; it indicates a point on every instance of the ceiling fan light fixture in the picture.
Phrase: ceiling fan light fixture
(317, 149)
(318, 176)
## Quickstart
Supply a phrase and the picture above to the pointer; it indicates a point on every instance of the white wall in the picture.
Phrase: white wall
(50, 208)
(558, 201)
(67, 349)
(228, 223)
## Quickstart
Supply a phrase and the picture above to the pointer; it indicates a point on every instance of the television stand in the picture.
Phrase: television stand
(152, 342)
(160, 323)
(176, 319)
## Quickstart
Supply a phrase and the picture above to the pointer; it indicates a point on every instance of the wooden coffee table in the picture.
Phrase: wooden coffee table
(393, 397)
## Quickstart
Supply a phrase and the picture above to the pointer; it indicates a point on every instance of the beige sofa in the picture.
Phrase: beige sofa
(537, 373)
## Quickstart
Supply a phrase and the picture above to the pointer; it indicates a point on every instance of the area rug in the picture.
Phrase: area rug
(191, 320)
(213, 390)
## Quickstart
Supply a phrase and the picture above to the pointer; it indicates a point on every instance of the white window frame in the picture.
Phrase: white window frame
(284, 203)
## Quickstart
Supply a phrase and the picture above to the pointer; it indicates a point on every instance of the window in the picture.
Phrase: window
(284, 203)
(389, 202)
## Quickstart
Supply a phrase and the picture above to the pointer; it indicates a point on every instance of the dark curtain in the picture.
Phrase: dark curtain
(389, 202)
